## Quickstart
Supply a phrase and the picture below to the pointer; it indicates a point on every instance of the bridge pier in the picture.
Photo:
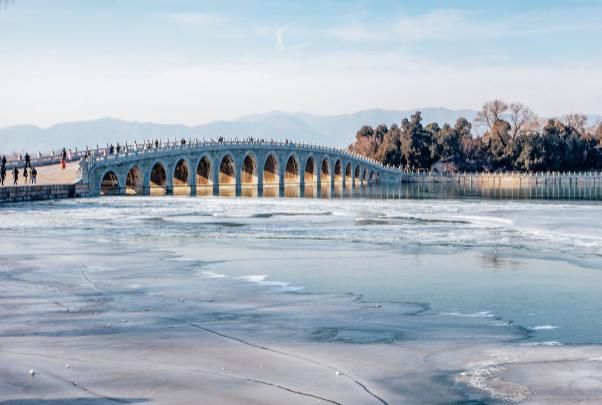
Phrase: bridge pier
(260, 188)
(193, 190)
(216, 189)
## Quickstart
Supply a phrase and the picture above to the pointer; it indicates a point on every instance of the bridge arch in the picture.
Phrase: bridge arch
(348, 175)
(338, 172)
(271, 176)
(204, 176)
(248, 175)
(325, 182)
(134, 183)
(158, 179)
(310, 174)
(292, 176)
(227, 176)
(109, 183)
(325, 171)
(357, 176)
(365, 177)
(181, 177)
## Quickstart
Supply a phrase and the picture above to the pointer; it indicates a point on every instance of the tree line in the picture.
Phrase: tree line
(502, 137)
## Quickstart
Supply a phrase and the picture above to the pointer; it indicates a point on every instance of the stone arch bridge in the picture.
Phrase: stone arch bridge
(238, 168)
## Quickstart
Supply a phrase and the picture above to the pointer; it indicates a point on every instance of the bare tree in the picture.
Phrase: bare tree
(522, 118)
(577, 121)
(490, 113)
(598, 133)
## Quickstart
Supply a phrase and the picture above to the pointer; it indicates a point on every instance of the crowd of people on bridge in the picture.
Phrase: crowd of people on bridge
(149, 144)
(30, 173)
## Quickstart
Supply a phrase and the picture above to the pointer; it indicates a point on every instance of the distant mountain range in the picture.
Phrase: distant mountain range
(337, 130)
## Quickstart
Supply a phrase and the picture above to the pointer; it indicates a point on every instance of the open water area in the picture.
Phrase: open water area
(294, 300)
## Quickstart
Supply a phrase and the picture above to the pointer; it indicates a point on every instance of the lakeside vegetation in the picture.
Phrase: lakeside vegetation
(502, 137)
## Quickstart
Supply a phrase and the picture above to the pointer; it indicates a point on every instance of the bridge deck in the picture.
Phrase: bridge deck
(47, 175)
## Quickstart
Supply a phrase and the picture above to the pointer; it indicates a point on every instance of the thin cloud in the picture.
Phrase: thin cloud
(282, 46)
(436, 24)
(280, 37)
(195, 18)
(458, 24)
(355, 32)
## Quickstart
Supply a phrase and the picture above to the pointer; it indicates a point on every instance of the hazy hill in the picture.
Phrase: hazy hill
(336, 130)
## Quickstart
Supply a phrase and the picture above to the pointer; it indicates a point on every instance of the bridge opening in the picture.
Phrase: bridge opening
(109, 185)
(325, 180)
(158, 180)
(227, 177)
(292, 183)
(338, 178)
(180, 178)
(204, 181)
(373, 178)
(348, 176)
(365, 177)
(309, 177)
(134, 183)
(248, 177)
(271, 178)
(338, 172)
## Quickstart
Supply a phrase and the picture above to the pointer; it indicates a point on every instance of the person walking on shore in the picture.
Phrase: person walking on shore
(27, 160)
(25, 175)
(34, 175)
(2, 174)
(15, 176)
(4, 161)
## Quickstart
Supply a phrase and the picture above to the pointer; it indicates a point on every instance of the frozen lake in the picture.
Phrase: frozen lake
(172, 299)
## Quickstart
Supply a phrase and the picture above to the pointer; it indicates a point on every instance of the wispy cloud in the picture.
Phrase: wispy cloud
(436, 24)
(356, 32)
(459, 24)
(195, 18)
(282, 46)
(280, 37)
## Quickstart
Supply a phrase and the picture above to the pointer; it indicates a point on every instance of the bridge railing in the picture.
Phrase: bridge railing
(105, 154)
(111, 152)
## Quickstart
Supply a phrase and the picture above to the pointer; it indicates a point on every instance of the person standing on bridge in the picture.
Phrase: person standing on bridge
(27, 160)
(2, 174)
(34, 175)
(25, 175)
(15, 176)
(4, 161)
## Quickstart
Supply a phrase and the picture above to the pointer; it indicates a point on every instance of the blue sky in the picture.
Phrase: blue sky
(194, 61)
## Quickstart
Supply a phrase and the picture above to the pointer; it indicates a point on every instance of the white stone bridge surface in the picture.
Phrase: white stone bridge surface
(248, 168)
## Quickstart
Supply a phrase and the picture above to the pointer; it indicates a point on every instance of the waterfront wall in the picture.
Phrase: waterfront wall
(41, 192)
(574, 185)
(553, 186)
